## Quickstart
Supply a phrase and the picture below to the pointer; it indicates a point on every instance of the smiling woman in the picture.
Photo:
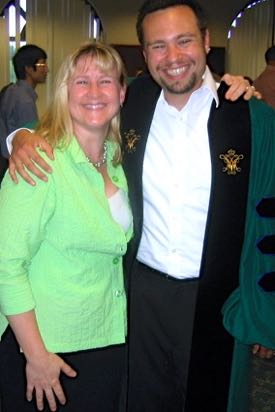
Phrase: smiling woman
(64, 299)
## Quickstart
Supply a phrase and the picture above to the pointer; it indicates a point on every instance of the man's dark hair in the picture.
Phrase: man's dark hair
(270, 54)
(150, 6)
(27, 56)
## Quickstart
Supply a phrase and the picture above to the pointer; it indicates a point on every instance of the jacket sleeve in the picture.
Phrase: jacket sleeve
(24, 213)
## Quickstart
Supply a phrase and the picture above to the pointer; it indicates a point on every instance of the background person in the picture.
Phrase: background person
(18, 103)
(265, 82)
(61, 248)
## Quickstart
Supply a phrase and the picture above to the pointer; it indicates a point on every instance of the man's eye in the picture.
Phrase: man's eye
(158, 46)
(184, 42)
(84, 82)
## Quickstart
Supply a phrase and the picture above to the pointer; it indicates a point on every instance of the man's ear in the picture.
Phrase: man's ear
(29, 70)
(144, 55)
(207, 41)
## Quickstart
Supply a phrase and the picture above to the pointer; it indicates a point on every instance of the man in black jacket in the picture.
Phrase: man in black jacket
(187, 160)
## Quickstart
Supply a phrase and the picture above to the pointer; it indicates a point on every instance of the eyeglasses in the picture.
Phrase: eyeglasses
(42, 65)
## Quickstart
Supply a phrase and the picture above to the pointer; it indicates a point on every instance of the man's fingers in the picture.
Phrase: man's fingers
(12, 171)
(40, 162)
(22, 172)
(45, 147)
(27, 165)
(238, 86)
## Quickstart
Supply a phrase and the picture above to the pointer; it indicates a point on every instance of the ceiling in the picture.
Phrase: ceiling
(219, 15)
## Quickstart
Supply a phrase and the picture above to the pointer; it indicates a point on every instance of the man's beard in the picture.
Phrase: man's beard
(177, 88)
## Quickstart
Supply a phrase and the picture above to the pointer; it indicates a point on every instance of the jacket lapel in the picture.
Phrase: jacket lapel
(229, 129)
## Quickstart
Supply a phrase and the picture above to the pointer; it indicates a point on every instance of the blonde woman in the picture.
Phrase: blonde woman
(61, 282)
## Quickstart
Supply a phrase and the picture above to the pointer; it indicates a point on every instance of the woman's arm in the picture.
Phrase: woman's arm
(25, 213)
(42, 368)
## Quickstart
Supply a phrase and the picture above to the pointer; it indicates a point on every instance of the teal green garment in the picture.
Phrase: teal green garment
(249, 311)
(31, 125)
(61, 254)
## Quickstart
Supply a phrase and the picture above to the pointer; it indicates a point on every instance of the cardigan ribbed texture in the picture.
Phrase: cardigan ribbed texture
(61, 254)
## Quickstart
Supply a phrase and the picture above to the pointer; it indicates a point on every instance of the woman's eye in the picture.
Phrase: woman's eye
(81, 82)
(105, 81)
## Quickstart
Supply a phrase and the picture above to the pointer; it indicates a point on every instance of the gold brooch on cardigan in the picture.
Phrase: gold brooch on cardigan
(131, 139)
(231, 160)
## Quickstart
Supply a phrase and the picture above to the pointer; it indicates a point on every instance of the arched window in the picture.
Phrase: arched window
(237, 20)
(96, 28)
(250, 35)
(14, 14)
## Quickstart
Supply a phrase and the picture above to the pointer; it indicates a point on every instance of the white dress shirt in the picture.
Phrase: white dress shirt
(176, 184)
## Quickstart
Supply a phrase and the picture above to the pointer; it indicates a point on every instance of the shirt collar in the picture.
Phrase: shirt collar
(208, 83)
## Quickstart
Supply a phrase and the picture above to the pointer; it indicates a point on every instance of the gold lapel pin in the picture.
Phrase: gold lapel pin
(231, 160)
(131, 140)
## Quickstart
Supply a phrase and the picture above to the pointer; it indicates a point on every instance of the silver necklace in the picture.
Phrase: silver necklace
(104, 157)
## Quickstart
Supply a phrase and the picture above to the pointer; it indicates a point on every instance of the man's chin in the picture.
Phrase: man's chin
(179, 88)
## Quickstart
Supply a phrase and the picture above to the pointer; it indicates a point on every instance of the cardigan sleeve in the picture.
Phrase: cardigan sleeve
(24, 213)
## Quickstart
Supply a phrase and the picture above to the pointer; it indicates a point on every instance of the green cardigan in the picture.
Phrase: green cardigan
(249, 311)
(61, 254)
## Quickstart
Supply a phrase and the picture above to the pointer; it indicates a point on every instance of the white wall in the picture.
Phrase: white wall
(58, 26)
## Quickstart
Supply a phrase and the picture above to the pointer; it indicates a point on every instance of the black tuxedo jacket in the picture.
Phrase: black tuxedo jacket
(229, 128)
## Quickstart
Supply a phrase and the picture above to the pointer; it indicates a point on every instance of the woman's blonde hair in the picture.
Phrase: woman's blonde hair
(56, 124)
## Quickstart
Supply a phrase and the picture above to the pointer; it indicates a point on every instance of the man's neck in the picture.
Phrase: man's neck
(179, 100)
(30, 82)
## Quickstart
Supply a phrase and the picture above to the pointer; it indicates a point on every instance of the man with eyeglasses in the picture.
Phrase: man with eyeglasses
(18, 102)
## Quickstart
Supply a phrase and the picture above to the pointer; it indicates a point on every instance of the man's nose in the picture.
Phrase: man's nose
(172, 51)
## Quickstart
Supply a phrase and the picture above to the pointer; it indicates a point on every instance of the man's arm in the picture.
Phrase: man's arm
(238, 86)
(25, 156)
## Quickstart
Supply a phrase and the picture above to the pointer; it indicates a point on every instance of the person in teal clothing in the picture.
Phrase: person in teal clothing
(248, 312)
(62, 297)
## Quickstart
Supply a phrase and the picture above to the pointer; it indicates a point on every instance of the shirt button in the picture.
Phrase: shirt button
(115, 260)
(115, 178)
(118, 293)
